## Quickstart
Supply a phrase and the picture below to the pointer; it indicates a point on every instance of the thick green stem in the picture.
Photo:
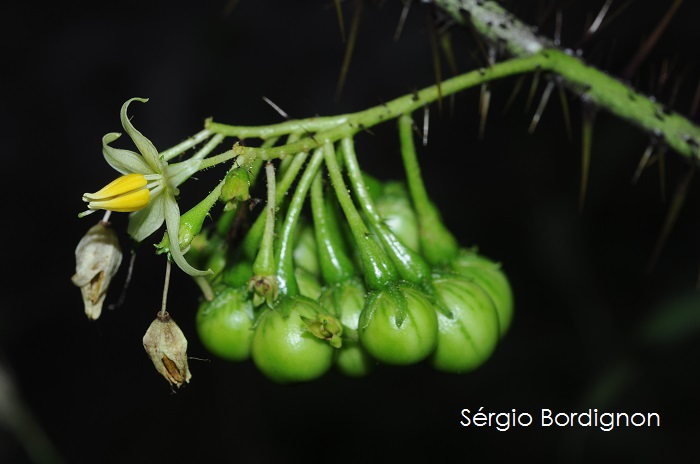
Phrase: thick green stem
(500, 27)
(531, 53)
(376, 265)
(264, 263)
(410, 265)
(337, 127)
(438, 245)
(336, 265)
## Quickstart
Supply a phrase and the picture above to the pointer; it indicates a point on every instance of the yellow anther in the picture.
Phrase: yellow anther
(118, 186)
(123, 195)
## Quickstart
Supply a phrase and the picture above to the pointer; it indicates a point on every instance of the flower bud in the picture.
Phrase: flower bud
(97, 258)
(167, 347)
(236, 187)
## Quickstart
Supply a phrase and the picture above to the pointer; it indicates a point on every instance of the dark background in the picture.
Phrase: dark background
(592, 328)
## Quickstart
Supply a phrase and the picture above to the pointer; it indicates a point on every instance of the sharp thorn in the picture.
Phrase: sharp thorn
(484, 101)
(649, 44)
(533, 89)
(557, 28)
(426, 124)
(349, 47)
(565, 109)
(402, 19)
(586, 146)
(644, 162)
(599, 19)
(437, 68)
(279, 110)
(695, 102)
(540, 108)
(662, 172)
(448, 51)
(341, 20)
(671, 216)
(514, 93)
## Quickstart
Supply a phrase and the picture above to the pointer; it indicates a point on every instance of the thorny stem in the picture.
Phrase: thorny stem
(586, 81)
(498, 26)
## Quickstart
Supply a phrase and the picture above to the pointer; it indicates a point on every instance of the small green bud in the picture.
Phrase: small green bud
(236, 187)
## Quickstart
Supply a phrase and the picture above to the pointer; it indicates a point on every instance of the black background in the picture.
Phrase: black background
(592, 329)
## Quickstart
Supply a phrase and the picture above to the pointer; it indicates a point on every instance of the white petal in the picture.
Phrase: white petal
(172, 221)
(144, 222)
(147, 149)
(124, 161)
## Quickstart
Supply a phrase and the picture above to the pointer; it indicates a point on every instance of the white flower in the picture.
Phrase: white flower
(147, 188)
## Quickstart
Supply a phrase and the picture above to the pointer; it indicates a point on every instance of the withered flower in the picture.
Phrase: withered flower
(97, 257)
(167, 346)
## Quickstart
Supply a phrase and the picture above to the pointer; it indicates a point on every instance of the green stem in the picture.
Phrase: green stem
(346, 125)
(285, 272)
(182, 147)
(496, 25)
(264, 263)
(500, 27)
(533, 54)
(336, 265)
(223, 224)
(252, 238)
(315, 124)
(376, 265)
(286, 162)
(410, 265)
(437, 243)
(191, 222)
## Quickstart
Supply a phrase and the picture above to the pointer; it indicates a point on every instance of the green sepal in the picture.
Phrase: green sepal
(325, 327)
(236, 187)
(190, 223)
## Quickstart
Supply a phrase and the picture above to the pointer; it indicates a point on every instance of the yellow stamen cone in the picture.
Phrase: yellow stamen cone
(117, 187)
(126, 203)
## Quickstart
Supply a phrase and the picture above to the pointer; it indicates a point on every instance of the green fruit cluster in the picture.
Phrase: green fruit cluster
(350, 298)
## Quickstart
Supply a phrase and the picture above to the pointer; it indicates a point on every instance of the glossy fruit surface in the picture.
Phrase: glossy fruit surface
(487, 274)
(398, 324)
(283, 348)
(224, 324)
(345, 301)
(468, 338)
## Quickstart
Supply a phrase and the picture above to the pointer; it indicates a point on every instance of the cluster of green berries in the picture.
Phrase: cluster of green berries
(352, 277)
